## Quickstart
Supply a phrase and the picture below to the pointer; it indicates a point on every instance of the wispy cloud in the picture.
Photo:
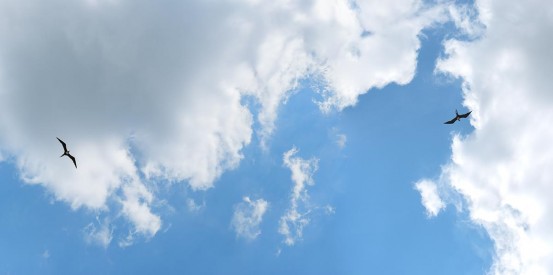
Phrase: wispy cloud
(247, 217)
(193, 206)
(292, 223)
(136, 207)
(99, 233)
(339, 138)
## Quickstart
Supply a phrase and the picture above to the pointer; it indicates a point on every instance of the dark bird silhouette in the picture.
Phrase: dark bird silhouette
(457, 117)
(66, 152)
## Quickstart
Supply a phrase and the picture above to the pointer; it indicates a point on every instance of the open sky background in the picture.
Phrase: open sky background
(276, 137)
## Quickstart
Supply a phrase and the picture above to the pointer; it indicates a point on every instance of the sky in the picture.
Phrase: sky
(276, 137)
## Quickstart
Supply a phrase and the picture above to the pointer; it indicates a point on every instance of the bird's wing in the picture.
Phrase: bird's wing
(451, 121)
(63, 144)
(465, 115)
(73, 159)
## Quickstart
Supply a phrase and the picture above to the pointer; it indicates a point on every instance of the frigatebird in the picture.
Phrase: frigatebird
(66, 152)
(457, 117)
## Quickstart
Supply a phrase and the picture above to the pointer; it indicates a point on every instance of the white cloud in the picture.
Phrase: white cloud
(341, 140)
(193, 206)
(465, 17)
(329, 209)
(430, 197)
(247, 217)
(503, 169)
(388, 53)
(136, 207)
(144, 91)
(291, 224)
(99, 234)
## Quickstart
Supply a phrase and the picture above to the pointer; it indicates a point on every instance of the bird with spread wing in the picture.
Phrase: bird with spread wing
(66, 152)
(457, 117)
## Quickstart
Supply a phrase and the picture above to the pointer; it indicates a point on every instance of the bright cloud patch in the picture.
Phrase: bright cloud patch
(430, 197)
(144, 91)
(297, 216)
(247, 217)
(504, 168)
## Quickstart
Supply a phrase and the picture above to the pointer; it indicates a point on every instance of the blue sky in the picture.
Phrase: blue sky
(201, 168)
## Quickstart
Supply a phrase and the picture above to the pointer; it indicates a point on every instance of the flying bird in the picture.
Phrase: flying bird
(66, 152)
(457, 117)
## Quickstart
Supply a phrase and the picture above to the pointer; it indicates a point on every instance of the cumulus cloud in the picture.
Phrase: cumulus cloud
(292, 223)
(145, 91)
(385, 52)
(247, 216)
(430, 197)
(503, 168)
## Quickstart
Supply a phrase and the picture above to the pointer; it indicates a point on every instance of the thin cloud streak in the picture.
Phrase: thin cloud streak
(295, 219)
